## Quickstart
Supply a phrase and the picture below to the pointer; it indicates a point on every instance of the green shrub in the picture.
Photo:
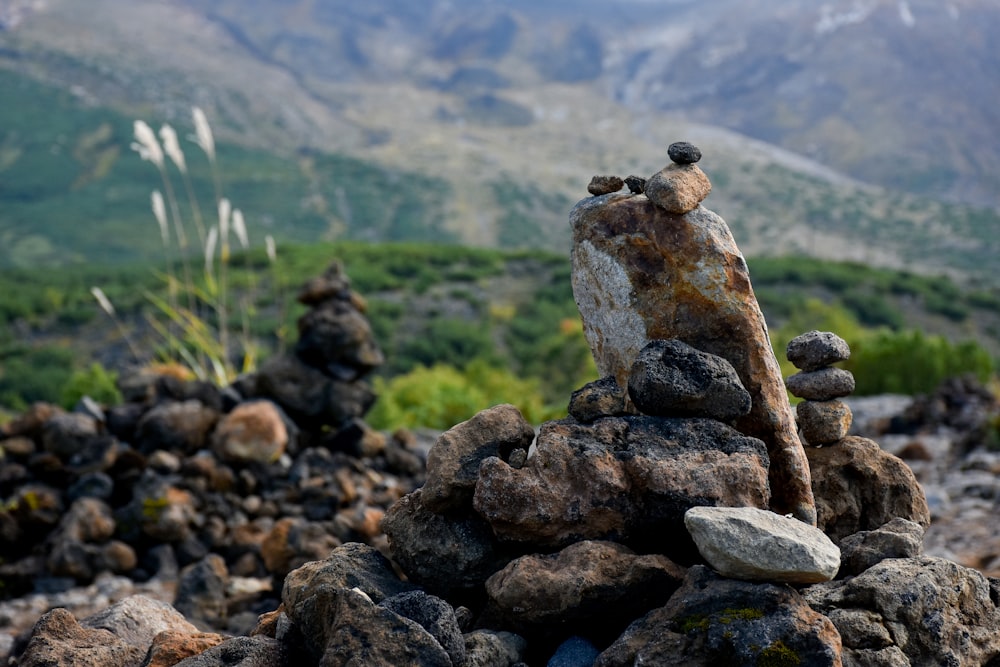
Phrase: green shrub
(94, 381)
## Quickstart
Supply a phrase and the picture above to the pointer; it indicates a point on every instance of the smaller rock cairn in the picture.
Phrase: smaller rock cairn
(822, 418)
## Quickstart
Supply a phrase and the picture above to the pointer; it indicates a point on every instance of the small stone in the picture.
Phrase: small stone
(636, 184)
(605, 185)
(823, 385)
(171, 646)
(254, 432)
(681, 152)
(759, 545)
(435, 616)
(489, 648)
(600, 398)
(678, 189)
(814, 350)
(823, 422)
(518, 458)
(900, 538)
(574, 652)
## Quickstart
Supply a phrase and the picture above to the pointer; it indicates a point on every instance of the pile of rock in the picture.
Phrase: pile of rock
(822, 418)
(226, 489)
(668, 520)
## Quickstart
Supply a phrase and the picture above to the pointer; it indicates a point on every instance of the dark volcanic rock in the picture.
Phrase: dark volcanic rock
(814, 350)
(681, 152)
(600, 398)
(604, 185)
(435, 616)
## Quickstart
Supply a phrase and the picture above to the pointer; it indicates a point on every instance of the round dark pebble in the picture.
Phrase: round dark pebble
(636, 184)
(682, 152)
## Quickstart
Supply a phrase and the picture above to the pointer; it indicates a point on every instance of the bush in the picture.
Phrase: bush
(441, 396)
(94, 381)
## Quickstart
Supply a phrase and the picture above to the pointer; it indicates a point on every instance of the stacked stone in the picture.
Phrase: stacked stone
(822, 418)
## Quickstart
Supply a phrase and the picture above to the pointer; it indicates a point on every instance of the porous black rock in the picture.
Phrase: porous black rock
(681, 152)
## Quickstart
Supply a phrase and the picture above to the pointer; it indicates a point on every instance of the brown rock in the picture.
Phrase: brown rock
(600, 398)
(677, 188)
(183, 426)
(170, 647)
(58, 639)
(590, 582)
(604, 185)
(253, 432)
(453, 462)
(641, 273)
(823, 422)
(858, 486)
(621, 478)
(292, 543)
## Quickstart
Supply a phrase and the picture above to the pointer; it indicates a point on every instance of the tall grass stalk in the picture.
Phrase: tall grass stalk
(105, 303)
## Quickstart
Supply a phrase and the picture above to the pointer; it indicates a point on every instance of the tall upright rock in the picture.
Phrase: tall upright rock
(659, 266)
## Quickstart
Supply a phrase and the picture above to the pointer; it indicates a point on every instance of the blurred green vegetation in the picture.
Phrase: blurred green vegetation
(474, 327)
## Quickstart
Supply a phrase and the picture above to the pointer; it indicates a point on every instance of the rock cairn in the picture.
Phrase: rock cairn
(635, 531)
(822, 417)
(660, 266)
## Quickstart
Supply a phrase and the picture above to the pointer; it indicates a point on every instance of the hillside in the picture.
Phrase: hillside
(479, 124)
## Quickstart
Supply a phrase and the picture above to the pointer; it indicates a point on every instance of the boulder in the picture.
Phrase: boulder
(641, 273)
(933, 611)
(670, 378)
(453, 462)
(240, 652)
(590, 585)
(58, 639)
(759, 545)
(621, 478)
(858, 486)
(712, 620)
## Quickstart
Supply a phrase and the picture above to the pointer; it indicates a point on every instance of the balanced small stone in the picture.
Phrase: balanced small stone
(604, 185)
(814, 350)
(824, 422)
(636, 184)
(825, 384)
(682, 152)
(678, 188)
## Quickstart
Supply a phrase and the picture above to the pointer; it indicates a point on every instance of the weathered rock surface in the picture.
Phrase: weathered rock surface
(488, 648)
(240, 652)
(600, 398)
(824, 384)
(453, 462)
(641, 274)
(860, 487)
(678, 188)
(814, 350)
(759, 545)
(444, 554)
(933, 611)
(58, 639)
(711, 620)
(591, 584)
(683, 152)
(900, 538)
(435, 616)
(602, 185)
(670, 378)
(621, 478)
(823, 422)
(171, 647)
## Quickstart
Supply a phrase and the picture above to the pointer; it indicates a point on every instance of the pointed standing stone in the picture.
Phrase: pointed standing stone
(641, 273)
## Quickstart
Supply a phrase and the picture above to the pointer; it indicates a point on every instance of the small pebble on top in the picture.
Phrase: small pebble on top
(682, 152)
(636, 184)
(816, 349)
(603, 185)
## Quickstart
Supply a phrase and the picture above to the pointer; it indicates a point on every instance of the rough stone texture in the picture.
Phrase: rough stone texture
(170, 647)
(201, 590)
(899, 538)
(240, 652)
(58, 639)
(621, 478)
(487, 648)
(813, 350)
(711, 620)
(682, 152)
(670, 378)
(253, 432)
(590, 582)
(361, 633)
(934, 611)
(641, 273)
(860, 487)
(603, 185)
(600, 398)
(825, 384)
(759, 545)
(66, 433)
(435, 616)
(574, 652)
(337, 339)
(678, 189)
(823, 422)
(453, 462)
(138, 619)
(445, 555)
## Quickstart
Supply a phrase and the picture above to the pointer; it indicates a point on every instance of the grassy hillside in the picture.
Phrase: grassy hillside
(432, 304)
